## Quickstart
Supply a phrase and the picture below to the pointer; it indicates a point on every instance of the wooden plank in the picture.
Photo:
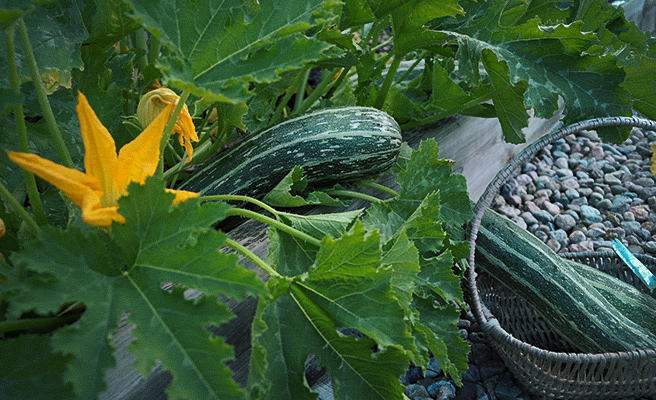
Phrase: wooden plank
(479, 151)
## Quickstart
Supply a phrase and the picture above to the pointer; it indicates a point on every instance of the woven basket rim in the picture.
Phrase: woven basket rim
(493, 324)
(540, 370)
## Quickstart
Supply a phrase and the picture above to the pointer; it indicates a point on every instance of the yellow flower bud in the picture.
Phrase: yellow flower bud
(153, 102)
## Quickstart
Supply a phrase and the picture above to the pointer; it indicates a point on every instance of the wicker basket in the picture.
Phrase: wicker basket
(539, 358)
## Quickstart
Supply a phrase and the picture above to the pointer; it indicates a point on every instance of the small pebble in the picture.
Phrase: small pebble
(442, 390)
(414, 391)
(565, 222)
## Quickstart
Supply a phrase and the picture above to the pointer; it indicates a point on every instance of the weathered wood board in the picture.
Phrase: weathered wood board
(479, 151)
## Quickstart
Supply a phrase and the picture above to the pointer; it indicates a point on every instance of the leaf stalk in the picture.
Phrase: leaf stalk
(240, 212)
(355, 195)
(387, 83)
(21, 130)
(235, 197)
(233, 244)
(18, 208)
(42, 97)
(32, 324)
(168, 130)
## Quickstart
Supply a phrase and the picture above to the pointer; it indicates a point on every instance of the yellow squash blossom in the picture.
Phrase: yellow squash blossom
(153, 102)
(107, 175)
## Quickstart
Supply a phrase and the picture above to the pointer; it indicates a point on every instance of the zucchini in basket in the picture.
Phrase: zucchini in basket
(572, 306)
(635, 304)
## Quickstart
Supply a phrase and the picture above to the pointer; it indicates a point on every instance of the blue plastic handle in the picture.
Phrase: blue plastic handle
(636, 266)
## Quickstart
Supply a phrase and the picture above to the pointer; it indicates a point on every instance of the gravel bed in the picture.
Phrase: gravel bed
(577, 195)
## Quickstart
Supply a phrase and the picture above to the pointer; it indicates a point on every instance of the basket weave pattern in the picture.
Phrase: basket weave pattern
(538, 357)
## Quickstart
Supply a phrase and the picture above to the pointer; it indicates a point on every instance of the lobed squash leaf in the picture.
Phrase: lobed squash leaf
(220, 47)
(345, 288)
(291, 192)
(126, 270)
(29, 362)
(554, 60)
(56, 34)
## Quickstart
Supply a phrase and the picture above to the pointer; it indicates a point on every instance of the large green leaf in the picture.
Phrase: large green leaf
(28, 362)
(346, 288)
(508, 98)
(63, 104)
(107, 21)
(221, 47)
(553, 60)
(442, 336)
(348, 282)
(292, 256)
(409, 24)
(401, 255)
(56, 34)
(425, 173)
(420, 222)
(123, 270)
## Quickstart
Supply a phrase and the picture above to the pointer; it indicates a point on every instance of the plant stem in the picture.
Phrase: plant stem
(168, 130)
(381, 45)
(198, 153)
(235, 197)
(177, 158)
(387, 83)
(21, 130)
(240, 212)
(252, 257)
(203, 124)
(350, 193)
(42, 96)
(140, 46)
(411, 68)
(320, 90)
(290, 92)
(153, 49)
(377, 186)
(340, 79)
(300, 92)
(37, 323)
(18, 208)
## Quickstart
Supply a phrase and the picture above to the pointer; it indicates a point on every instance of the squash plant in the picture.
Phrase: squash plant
(73, 264)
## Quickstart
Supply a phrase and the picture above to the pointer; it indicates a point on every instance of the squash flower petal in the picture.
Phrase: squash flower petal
(182, 195)
(153, 102)
(96, 191)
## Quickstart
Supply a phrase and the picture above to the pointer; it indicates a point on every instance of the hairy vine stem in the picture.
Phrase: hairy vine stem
(236, 197)
(21, 130)
(18, 208)
(168, 130)
(233, 244)
(241, 212)
(42, 97)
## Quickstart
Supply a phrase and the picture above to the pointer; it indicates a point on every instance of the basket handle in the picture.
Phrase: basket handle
(500, 179)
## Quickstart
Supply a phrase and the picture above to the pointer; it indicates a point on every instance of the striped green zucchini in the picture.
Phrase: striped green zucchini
(332, 145)
(635, 304)
(568, 303)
